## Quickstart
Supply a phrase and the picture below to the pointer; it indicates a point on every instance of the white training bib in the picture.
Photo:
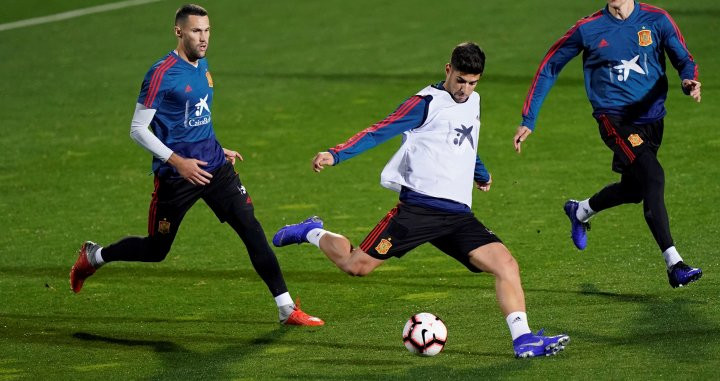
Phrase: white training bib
(437, 159)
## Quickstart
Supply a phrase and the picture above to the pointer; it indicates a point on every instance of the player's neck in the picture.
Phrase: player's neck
(622, 12)
(181, 53)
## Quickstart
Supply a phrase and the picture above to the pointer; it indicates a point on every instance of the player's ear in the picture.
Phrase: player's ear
(178, 31)
(448, 67)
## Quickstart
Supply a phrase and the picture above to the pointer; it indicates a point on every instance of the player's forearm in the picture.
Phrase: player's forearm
(143, 137)
(481, 172)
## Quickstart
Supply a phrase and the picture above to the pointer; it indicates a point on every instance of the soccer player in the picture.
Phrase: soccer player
(624, 47)
(189, 164)
(433, 171)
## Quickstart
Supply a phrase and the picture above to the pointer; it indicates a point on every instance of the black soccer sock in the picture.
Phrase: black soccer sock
(261, 255)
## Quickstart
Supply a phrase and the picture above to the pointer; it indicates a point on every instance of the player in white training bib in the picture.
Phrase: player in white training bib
(434, 171)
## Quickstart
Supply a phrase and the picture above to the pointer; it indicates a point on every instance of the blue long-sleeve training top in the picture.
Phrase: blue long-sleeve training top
(623, 64)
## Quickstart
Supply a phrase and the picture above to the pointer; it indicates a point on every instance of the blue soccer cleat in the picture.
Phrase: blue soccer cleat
(578, 229)
(681, 274)
(296, 233)
(533, 345)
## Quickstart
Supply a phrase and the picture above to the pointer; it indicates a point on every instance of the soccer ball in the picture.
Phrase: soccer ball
(425, 334)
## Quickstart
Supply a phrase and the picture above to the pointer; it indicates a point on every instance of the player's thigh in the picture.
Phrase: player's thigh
(170, 202)
(494, 258)
(228, 198)
(469, 236)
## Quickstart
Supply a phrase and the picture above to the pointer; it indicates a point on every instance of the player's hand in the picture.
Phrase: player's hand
(230, 155)
(693, 88)
(484, 186)
(190, 169)
(321, 160)
(521, 134)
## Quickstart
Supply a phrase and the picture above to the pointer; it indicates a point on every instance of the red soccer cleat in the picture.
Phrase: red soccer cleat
(298, 317)
(82, 268)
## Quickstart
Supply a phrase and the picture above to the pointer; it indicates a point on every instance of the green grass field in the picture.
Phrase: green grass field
(293, 78)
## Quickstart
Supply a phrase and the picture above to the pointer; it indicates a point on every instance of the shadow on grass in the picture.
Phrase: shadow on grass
(671, 327)
(179, 363)
(505, 368)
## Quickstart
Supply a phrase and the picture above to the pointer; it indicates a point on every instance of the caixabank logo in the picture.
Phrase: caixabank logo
(201, 114)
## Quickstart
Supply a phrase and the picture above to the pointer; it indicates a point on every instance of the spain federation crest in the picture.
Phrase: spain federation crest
(209, 78)
(645, 37)
(384, 246)
(164, 226)
(635, 140)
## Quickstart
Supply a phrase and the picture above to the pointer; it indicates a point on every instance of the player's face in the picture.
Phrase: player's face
(194, 35)
(460, 85)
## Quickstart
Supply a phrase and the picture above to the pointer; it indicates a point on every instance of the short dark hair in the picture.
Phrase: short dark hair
(187, 10)
(468, 58)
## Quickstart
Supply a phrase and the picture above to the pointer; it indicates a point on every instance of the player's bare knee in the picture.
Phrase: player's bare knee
(356, 269)
(507, 267)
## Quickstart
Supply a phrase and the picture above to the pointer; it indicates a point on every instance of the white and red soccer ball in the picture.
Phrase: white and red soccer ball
(425, 334)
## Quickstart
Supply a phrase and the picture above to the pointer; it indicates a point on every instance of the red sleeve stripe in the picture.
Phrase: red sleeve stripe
(397, 114)
(650, 8)
(366, 245)
(157, 80)
(551, 52)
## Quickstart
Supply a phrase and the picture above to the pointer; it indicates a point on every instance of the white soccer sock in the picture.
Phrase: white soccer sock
(584, 211)
(671, 256)
(98, 259)
(314, 235)
(283, 299)
(517, 322)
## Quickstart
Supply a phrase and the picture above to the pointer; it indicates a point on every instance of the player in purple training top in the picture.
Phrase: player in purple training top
(189, 164)
(624, 47)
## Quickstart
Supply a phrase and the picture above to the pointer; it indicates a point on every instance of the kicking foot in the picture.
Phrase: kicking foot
(296, 233)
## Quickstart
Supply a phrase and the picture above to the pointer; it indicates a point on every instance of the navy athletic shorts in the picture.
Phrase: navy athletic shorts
(172, 199)
(627, 140)
(406, 227)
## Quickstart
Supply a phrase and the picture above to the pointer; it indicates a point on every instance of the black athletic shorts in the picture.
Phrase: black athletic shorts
(172, 198)
(406, 227)
(627, 140)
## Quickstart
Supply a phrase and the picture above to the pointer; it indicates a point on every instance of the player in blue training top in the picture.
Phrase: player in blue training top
(434, 171)
(624, 47)
(189, 164)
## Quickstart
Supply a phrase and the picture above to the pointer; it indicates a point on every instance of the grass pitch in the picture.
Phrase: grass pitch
(293, 78)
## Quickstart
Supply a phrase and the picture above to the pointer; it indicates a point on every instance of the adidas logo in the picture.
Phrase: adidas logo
(517, 319)
(189, 89)
(603, 43)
